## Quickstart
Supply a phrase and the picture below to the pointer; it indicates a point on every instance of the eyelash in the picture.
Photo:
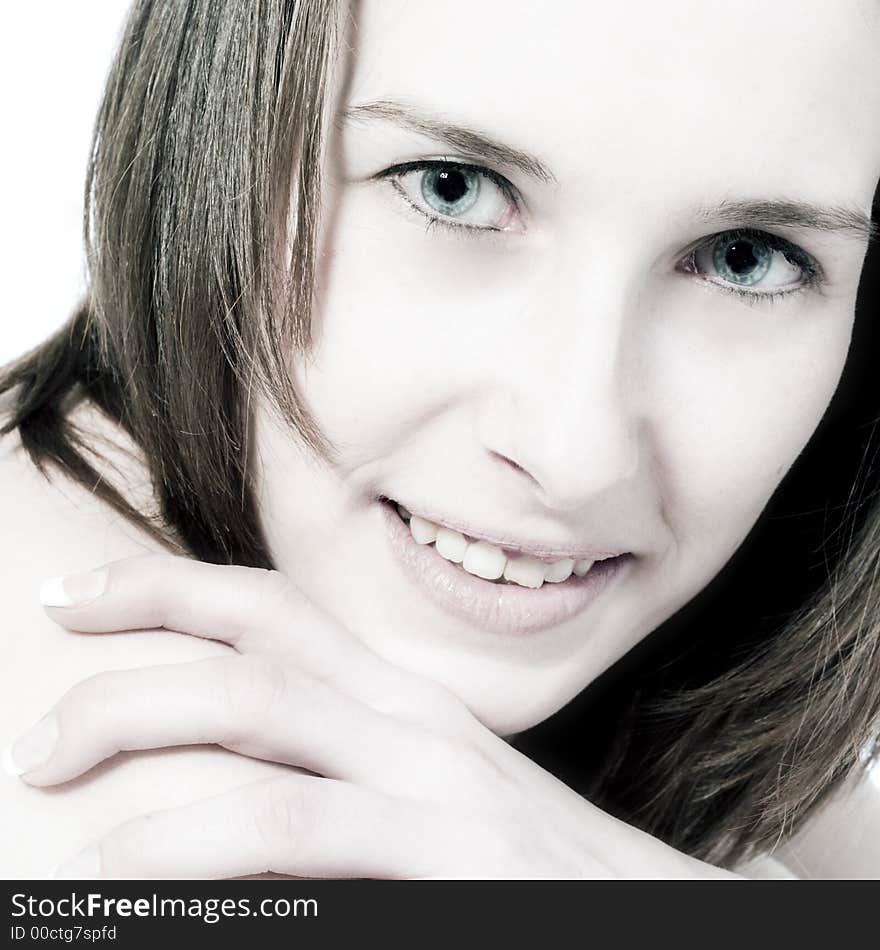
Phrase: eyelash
(812, 271)
(813, 275)
(396, 171)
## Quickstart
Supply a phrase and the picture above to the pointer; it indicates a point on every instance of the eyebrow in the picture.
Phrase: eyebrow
(468, 140)
(835, 219)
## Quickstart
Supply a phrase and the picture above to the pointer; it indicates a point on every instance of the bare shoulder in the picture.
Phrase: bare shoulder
(55, 527)
(50, 524)
(842, 841)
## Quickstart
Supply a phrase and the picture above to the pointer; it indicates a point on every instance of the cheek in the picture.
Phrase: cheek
(756, 391)
(406, 322)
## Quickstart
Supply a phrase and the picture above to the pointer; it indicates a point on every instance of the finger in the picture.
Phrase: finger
(229, 603)
(299, 825)
(251, 609)
(251, 705)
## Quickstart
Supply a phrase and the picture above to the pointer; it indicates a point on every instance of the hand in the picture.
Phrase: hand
(403, 781)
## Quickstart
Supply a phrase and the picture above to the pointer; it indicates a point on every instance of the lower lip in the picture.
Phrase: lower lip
(497, 608)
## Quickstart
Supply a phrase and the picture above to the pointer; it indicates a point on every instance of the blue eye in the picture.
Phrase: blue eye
(450, 190)
(753, 264)
(741, 260)
(457, 195)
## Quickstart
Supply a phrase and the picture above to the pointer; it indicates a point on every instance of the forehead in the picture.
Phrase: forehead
(630, 93)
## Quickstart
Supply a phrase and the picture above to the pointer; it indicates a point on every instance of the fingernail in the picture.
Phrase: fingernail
(31, 750)
(86, 866)
(73, 590)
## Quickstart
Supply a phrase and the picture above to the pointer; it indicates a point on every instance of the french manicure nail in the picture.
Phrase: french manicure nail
(31, 750)
(73, 590)
(86, 866)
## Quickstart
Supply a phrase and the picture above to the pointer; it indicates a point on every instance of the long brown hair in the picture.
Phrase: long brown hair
(212, 114)
(720, 733)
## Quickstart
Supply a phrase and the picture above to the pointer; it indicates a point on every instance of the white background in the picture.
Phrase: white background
(54, 57)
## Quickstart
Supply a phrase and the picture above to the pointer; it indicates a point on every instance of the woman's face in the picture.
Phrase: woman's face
(586, 287)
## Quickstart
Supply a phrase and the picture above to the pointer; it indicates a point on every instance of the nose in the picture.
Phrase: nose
(564, 412)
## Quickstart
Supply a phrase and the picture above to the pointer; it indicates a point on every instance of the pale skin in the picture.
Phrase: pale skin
(566, 376)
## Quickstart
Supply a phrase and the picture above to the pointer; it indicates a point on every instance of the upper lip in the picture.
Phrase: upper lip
(541, 549)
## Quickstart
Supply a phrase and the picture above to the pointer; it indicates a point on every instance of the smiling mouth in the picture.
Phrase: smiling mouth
(489, 562)
(451, 569)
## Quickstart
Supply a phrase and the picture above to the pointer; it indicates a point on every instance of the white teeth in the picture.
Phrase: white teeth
(558, 571)
(525, 571)
(451, 545)
(423, 531)
(484, 560)
(489, 562)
